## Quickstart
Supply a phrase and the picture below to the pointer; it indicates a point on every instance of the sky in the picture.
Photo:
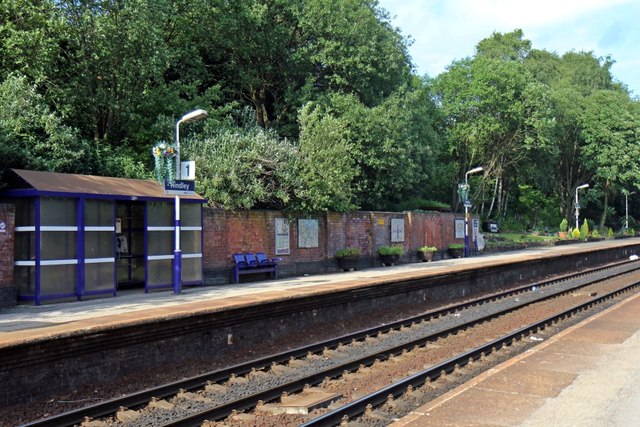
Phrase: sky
(446, 30)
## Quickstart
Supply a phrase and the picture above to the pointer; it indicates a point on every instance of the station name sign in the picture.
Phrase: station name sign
(180, 187)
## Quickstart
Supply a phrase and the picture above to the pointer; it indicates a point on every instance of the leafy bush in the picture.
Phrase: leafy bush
(575, 233)
(564, 225)
(584, 229)
(348, 252)
(390, 250)
(610, 232)
(595, 233)
(456, 246)
(245, 168)
(424, 205)
(427, 249)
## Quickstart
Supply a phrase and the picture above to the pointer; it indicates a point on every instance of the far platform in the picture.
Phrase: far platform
(28, 323)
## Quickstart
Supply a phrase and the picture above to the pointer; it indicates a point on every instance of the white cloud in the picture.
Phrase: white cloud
(446, 30)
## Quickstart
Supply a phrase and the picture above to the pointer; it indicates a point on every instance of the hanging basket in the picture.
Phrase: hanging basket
(165, 156)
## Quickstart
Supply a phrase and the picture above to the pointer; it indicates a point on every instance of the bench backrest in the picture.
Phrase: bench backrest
(240, 260)
(251, 259)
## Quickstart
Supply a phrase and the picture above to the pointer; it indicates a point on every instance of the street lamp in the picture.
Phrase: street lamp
(177, 253)
(466, 209)
(626, 208)
(578, 204)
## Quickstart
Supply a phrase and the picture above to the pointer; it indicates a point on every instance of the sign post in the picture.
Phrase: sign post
(179, 187)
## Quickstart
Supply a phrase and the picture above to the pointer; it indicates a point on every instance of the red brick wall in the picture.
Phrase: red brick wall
(226, 233)
(7, 288)
(6, 244)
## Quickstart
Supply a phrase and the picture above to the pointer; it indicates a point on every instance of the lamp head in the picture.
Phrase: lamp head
(474, 170)
(582, 186)
(194, 115)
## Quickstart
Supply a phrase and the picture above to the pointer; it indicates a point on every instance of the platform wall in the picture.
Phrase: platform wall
(226, 233)
(7, 288)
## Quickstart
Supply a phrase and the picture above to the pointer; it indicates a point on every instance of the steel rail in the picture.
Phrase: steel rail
(358, 407)
(143, 397)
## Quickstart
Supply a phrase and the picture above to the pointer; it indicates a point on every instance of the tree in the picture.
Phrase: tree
(497, 114)
(386, 152)
(31, 135)
(610, 126)
(327, 166)
(575, 77)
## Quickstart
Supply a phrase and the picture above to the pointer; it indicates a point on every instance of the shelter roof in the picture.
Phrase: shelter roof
(74, 185)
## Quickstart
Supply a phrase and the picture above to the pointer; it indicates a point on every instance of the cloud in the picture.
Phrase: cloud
(446, 30)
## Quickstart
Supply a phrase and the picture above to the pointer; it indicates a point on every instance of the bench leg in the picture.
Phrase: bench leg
(236, 275)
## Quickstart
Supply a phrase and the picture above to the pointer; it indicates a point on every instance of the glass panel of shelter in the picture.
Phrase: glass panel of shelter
(130, 246)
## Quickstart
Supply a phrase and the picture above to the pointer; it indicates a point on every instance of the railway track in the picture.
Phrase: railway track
(379, 344)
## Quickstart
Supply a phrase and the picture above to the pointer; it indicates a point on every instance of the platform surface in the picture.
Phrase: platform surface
(28, 323)
(587, 376)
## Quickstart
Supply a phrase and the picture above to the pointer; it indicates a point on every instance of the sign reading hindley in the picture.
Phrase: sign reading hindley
(180, 187)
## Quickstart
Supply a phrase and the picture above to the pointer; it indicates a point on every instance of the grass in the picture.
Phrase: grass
(502, 240)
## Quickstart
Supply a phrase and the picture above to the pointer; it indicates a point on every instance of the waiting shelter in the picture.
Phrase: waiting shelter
(81, 235)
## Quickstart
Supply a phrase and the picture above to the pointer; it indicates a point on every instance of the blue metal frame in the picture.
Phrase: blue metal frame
(146, 249)
(36, 204)
(80, 289)
(115, 249)
(80, 245)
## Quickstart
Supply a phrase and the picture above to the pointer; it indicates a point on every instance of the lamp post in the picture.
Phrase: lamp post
(466, 210)
(626, 209)
(177, 253)
(578, 204)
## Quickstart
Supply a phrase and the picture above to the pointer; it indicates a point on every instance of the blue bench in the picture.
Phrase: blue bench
(249, 263)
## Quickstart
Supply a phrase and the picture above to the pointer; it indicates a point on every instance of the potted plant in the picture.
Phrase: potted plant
(390, 254)
(347, 258)
(456, 250)
(564, 226)
(425, 253)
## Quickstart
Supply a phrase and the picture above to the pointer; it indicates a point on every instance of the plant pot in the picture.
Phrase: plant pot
(425, 256)
(389, 259)
(456, 252)
(348, 263)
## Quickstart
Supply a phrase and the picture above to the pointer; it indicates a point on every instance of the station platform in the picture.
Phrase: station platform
(29, 323)
(586, 376)
(522, 391)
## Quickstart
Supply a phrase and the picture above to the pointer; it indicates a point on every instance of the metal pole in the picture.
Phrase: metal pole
(466, 232)
(177, 253)
(577, 208)
(626, 209)
(466, 209)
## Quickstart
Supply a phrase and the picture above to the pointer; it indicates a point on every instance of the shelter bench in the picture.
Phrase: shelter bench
(248, 263)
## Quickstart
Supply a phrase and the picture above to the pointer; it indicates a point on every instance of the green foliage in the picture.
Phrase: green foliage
(423, 205)
(34, 137)
(390, 250)
(575, 233)
(610, 232)
(595, 233)
(456, 246)
(379, 155)
(244, 168)
(348, 252)
(564, 224)
(584, 229)
(427, 249)
(339, 122)
(327, 164)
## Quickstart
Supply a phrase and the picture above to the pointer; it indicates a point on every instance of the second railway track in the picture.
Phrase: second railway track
(238, 388)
